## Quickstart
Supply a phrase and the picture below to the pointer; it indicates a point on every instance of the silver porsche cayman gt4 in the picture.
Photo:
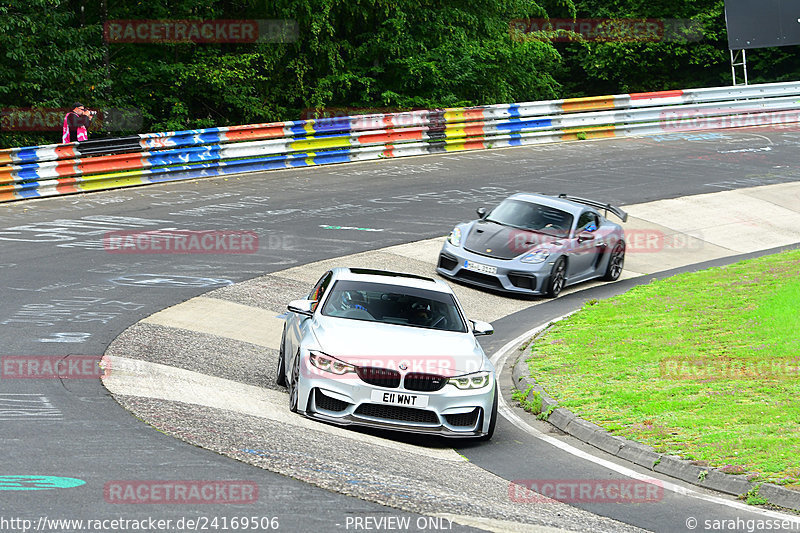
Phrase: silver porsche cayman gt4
(536, 244)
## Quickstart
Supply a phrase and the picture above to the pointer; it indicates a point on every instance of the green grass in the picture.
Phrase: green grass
(705, 365)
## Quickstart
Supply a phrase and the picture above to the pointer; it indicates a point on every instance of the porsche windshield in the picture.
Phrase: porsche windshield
(394, 304)
(530, 216)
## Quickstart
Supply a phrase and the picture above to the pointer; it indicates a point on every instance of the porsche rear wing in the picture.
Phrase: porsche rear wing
(608, 208)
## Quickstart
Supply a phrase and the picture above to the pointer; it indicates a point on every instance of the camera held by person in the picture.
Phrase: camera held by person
(76, 123)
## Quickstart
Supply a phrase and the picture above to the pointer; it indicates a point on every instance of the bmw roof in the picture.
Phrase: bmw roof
(393, 278)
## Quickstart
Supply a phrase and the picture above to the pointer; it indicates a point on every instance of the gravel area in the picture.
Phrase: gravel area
(199, 352)
(267, 292)
(397, 479)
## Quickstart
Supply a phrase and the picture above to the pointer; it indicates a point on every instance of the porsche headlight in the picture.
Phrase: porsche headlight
(455, 237)
(476, 380)
(327, 363)
(536, 256)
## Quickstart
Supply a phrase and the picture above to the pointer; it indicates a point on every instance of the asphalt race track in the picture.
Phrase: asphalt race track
(64, 295)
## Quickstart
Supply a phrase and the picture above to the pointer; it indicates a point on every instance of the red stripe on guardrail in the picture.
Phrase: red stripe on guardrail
(7, 193)
(67, 168)
(67, 186)
(253, 134)
(391, 136)
(6, 176)
(656, 94)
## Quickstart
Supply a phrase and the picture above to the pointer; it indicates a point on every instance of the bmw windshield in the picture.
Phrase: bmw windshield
(393, 304)
(532, 217)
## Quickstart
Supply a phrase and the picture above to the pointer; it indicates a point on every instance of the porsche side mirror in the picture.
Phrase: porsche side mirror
(302, 307)
(481, 212)
(585, 236)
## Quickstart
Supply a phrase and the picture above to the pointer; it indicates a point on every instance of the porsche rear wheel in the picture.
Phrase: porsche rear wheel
(615, 262)
(556, 281)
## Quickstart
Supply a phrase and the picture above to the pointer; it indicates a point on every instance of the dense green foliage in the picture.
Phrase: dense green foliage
(348, 54)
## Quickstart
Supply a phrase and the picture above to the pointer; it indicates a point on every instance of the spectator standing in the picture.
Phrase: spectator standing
(76, 124)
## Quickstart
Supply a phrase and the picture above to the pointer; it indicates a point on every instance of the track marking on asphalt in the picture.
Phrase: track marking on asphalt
(135, 377)
(223, 318)
(506, 411)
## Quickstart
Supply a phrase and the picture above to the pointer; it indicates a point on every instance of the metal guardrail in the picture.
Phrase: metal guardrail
(156, 157)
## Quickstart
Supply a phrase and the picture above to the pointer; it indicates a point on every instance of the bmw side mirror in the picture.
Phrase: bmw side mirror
(302, 307)
(480, 328)
(481, 212)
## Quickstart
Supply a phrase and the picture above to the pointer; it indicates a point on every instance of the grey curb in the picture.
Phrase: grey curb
(646, 456)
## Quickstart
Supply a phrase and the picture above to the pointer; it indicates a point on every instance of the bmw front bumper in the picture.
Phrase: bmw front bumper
(347, 400)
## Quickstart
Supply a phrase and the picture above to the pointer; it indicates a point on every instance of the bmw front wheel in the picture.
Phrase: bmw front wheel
(280, 375)
(492, 419)
(294, 384)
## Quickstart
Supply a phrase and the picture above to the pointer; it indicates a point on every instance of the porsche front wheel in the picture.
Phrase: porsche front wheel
(556, 281)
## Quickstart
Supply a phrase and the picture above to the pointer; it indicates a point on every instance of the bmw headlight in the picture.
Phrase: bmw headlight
(536, 256)
(327, 363)
(455, 237)
(476, 380)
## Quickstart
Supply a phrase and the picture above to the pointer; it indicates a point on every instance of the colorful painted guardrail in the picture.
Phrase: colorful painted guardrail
(38, 171)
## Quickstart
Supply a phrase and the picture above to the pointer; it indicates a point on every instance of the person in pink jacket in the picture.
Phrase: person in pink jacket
(76, 124)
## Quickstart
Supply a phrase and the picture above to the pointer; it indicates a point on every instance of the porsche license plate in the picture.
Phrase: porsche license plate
(399, 398)
(477, 267)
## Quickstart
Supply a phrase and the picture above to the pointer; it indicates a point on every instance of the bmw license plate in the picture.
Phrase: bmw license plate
(399, 398)
(477, 267)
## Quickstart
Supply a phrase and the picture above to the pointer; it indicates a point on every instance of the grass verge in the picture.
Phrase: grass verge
(705, 365)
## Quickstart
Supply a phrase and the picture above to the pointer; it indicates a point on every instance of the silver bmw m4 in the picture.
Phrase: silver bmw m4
(388, 350)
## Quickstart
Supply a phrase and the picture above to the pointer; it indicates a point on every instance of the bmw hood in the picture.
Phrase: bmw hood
(504, 242)
(365, 343)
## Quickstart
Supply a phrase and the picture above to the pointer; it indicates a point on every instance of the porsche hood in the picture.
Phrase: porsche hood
(504, 242)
